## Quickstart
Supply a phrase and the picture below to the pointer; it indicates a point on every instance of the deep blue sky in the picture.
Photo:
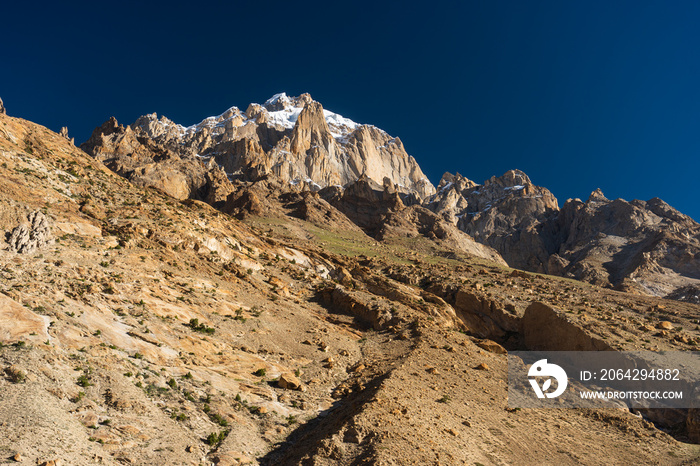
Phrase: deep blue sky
(579, 95)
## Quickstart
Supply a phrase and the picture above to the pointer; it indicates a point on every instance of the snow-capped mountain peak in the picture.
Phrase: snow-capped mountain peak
(293, 138)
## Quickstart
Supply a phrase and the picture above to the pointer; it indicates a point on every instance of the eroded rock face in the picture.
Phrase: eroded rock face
(365, 202)
(292, 138)
(27, 238)
(17, 322)
(359, 304)
(2, 108)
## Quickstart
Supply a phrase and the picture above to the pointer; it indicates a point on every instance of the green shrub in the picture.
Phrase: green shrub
(83, 381)
(197, 327)
(16, 375)
(215, 439)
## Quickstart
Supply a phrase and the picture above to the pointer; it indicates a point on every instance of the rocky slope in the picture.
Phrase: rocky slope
(294, 139)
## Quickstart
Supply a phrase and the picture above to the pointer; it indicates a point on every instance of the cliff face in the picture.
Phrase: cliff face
(294, 139)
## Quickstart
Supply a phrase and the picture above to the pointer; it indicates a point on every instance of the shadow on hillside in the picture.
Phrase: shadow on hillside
(307, 440)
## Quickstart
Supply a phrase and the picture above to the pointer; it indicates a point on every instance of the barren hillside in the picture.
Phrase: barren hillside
(141, 329)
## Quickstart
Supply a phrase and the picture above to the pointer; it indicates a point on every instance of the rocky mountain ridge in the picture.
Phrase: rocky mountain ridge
(644, 247)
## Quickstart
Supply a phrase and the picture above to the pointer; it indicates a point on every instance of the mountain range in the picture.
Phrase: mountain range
(366, 174)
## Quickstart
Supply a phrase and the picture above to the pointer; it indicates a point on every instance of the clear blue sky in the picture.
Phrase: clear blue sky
(579, 95)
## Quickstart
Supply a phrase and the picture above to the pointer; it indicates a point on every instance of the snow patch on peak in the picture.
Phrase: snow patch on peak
(283, 111)
(281, 98)
(340, 126)
(285, 118)
(214, 121)
(231, 112)
(446, 187)
(339, 120)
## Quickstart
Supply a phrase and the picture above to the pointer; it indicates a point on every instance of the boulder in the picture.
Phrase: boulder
(289, 382)
(491, 346)
(548, 329)
(665, 325)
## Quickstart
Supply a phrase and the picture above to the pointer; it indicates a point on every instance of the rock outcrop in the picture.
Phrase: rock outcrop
(147, 162)
(2, 108)
(382, 212)
(545, 328)
(27, 238)
(64, 133)
(365, 202)
(646, 247)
